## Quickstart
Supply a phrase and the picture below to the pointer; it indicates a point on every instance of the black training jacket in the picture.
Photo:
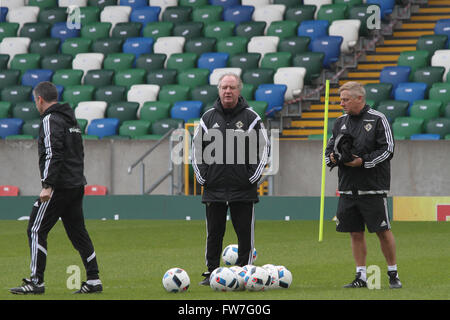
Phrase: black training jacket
(60, 148)
(374, 143)
(235, 179)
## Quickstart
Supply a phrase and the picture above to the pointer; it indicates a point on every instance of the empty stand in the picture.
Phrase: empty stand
(9, 190)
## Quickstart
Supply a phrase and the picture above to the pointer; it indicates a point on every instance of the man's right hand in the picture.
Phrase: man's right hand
(332, 158)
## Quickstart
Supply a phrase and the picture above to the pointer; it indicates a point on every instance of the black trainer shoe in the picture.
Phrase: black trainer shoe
(89, 288)
(29, 287)
(205, 282)
(394, 281)
(357, 283)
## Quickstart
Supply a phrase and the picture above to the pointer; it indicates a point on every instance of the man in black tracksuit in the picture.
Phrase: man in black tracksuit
(364, 173)
(229, 172)
(61, 163)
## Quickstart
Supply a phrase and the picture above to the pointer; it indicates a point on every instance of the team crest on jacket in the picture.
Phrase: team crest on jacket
(368, 127)
(239, 124)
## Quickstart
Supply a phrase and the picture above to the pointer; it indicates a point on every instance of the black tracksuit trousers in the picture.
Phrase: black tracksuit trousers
(243, 219)
(66, 204)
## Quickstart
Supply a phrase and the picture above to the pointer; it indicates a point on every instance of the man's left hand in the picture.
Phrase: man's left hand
(356, 162)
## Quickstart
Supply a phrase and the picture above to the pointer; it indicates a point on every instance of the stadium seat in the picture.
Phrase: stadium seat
(313, 29)
(188, 30)
(16, 94)
(275, 60)
(395, 75)
(300, 13)
(157, 29)
(96, 30)
(273, 94)
(440, 126)
(407, 126)
(115, 14)
(177, 14)
(441, 58)
(154, 110)
(269, 13)
(238, 14)
(129, 77)
(251, 29)
(442, 27)
(361, 12)
(25, 110)
(207, 14)
(169, 45)
(119, 61)
(138, 46)
(88, 15)
(107, 45)
(9, 190)
(258, 76)
(3, 13)
(142, 93)
(25, 61)
(414, 60)
(111, 94)
(232, 45)
(103, 127)
(45, 46)
(393, 109)
(213, 60)
(75, 94)
(8, 29)
(22, 15)
(9, 77)
(312, 62)
(181, 61)
(161, 127)
(14, 46)
(57, 61)
(219, 29)
(145, 14)
(244, 61)
(386, 7)
(33, 77)
(88, 61)
(293, 78)
(260, 107)
(193, 78)
(256, 3)
(124, 30)
(425, 136)
(330, 46)
(200, 45)
(53, 15)
(225, 3)
(90, 110)
(248, 91)
(99, 78)
(163, 4)
(331, 12)
(134, 4)
(348, 29)
(123, 111)
(294, 45)
(5, 109)
(95, 190)
(73, 46)
(61, 31)
(410, 91)
(10, 126)
(379, 92)
(263, 44)
(151, 61)
(218, 72)
(426, 109)
(133, 128)
(31, 127)
(173, 92)
(206, 94)
(162, 77)
(440, 92)
(429, 75)
(186, 110)
(431, 43)
(282, 29)
(4, 58)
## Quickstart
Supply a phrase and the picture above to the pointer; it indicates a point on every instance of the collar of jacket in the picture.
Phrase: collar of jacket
(363, 110)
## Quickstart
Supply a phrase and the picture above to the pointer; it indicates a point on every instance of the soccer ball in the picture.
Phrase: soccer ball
(230, 254)
(284, 277)
(273, 272)
(257, 279)
(223, 279)
(240, 275)
(176, 280)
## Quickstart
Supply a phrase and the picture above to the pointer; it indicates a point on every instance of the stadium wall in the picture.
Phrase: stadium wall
(419, 168)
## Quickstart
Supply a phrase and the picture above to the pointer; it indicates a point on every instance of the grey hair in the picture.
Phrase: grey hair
(356, 89)
(240, 85)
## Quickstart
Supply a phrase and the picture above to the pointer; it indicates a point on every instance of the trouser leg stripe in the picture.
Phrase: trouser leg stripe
(34, 235)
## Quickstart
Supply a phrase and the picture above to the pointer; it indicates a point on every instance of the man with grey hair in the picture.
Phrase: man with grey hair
(228, 171)
(364, 179)
(61, 163)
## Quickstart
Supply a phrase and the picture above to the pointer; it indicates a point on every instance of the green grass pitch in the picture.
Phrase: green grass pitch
(133, 255)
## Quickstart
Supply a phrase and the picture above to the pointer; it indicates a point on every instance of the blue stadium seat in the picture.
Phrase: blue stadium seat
(225, 3)
(10, 126)
(238, 14)
(213, 60)
(62, 32)
(410, 91)
(330, 46)
(103, 127)
(145, 15)
(138, 46)
(186, 110)
(273, 94)
(134, 3)
(3, 14)
(442, 26)
(33, 77)
(386, 7)
(425, 136)
(395, 75)
(313, 29)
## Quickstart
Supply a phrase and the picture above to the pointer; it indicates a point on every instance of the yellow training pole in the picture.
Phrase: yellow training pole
(325, 134)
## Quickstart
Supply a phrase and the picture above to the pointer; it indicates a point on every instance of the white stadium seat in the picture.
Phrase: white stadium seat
(441, 58)
(142, 93)
(14, 45)
(169, 45)
(318, 4)
(90, 110)
(218, 72)
(10, 4)
(348, 29)
(115, 15)
(269, 13)
(163, 4)
(22, 15)
(263, 44)
(293, 78)
(68, 3)
(255, 3)
(88, 61)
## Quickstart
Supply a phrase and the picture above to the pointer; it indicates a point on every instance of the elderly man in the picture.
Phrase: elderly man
(364, 179)
(229, 171)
